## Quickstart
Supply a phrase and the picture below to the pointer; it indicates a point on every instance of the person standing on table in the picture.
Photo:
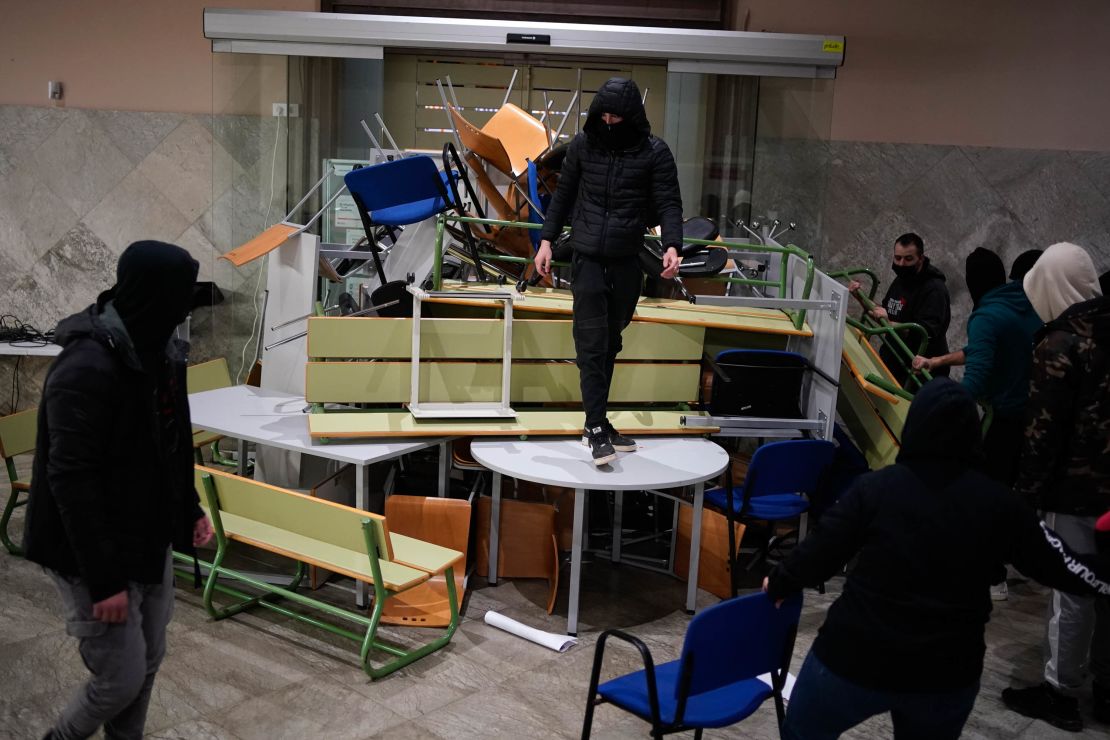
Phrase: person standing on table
(112, 484)
(617, 180)
(918, 295)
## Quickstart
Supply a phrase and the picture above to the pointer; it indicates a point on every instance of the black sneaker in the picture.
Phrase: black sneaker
(1046, 703)
(598, 441)
(620, 442)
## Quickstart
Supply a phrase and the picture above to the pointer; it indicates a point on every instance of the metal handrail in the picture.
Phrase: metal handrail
(797, 317)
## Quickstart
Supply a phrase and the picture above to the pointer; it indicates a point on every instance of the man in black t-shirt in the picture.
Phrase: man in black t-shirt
(918, 295)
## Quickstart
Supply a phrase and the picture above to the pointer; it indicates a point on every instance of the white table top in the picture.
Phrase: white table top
(667, 462)
(274, 418)
(30, 348)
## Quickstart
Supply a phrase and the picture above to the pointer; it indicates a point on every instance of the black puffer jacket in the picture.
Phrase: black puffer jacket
(1065, 464)
(612, 195)
(930, 533)
(112, 482)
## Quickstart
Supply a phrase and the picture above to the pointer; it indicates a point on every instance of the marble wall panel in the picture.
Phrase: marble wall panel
(76, 187)
(80, 163)
(136, 134)
(22, 131)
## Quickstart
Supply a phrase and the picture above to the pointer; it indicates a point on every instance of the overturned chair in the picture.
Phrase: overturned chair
(339, 538)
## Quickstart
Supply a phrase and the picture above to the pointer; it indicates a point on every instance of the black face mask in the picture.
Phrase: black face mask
(617, 136)
(906, 272)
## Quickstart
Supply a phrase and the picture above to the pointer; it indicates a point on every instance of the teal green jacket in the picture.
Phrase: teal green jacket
(999, 349)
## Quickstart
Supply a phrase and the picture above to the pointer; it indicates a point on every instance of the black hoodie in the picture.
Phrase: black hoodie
(616, 181)
(112, 483)
(919, 299)
(931, 534)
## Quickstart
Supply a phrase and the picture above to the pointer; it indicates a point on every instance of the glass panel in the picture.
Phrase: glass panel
(248, 194)
(792, 158)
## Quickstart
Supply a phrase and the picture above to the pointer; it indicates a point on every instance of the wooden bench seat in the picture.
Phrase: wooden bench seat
(317, 532)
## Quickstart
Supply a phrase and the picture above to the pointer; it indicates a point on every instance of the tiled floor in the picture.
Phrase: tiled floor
(266, 676)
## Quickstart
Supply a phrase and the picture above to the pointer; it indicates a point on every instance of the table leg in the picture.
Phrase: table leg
(576, 560)
(695, 547)
(444, 468)
(242, 448)
(494, 527)
(674, 535)
(618, 530)
(361, 503)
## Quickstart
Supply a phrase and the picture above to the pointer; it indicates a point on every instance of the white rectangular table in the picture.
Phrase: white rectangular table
(30, 349)
(660, 463)
(277, 419)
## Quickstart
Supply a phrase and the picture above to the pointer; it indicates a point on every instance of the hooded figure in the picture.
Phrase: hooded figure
(930, 533)
(1023, 263)
(617, 180)
(1064, 275)
(983, 271)
(112, 484)
(1065, 471)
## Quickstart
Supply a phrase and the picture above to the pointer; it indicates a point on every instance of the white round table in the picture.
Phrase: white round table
(660, 463)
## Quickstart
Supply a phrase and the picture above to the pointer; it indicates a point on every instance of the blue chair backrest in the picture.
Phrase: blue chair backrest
(400, 182)
(790, 466)
(738, 639)
(534, 194)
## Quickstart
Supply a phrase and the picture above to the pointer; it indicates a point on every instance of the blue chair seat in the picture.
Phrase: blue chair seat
(718, 708)
(411, 213)
(772, 506)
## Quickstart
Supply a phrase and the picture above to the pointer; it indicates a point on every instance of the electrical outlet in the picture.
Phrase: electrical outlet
(281, 110)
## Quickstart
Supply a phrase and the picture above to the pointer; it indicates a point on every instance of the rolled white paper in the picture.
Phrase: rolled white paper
(550, 640)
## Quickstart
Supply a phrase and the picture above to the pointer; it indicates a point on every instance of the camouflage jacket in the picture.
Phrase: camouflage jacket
(1065, 463)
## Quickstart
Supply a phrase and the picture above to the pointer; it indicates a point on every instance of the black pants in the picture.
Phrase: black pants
(1002, 448)
(605, 294)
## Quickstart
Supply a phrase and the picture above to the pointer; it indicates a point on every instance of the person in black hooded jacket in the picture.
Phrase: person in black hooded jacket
(918, 295)
(112, 483)
(617, 180)
(931, 533)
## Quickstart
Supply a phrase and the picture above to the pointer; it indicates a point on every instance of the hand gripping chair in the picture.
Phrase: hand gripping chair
(716, 681)
(782, 481)
(17, 437)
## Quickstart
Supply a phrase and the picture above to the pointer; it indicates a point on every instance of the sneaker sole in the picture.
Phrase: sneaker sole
(618, 448)
(599, 461)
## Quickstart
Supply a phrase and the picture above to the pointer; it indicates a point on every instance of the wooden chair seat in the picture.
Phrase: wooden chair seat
(23, 484)
(203, 438)
(17, 437)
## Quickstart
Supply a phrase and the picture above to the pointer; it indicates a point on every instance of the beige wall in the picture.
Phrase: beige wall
(148, 55)
(1005, 73)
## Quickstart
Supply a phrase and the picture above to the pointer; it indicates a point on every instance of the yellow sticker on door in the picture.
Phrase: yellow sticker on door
(834, 47)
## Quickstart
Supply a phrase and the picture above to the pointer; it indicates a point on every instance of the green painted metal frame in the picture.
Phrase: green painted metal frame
(798, 317)
(852, 272)
(12, 504)
(888, 334)
(367, 639)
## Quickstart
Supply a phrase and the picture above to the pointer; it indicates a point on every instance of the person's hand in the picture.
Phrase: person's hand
(854, 286)
(202, 532)
(112, 610)
(766, 585)
(878, 312)
(543, 258)
(670, 263)
(922, 363)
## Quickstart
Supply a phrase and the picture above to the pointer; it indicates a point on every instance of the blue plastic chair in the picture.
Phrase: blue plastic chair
(782, 482)
(715, 683)
(392, 194)
(399, 192)
(535, 216)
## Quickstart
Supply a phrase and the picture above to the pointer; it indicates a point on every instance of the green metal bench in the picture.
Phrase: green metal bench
(17, 437)
(339, 538)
